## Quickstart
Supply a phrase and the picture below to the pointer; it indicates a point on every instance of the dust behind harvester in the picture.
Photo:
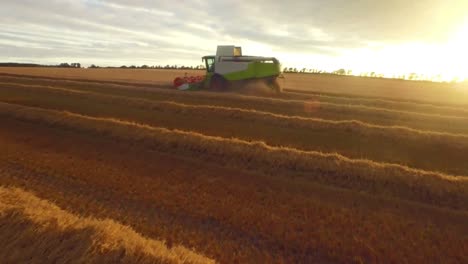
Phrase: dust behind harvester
(229, 70)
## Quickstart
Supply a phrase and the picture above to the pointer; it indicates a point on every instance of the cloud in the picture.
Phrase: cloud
(138, 31)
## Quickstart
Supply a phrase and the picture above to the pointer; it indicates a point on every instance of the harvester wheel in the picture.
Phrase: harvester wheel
(218, 83)
(274, 85)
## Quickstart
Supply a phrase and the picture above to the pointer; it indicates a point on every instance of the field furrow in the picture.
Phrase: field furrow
(222, 213)
(399, 181)
(436, 108)
(442, 151)
(304, 106)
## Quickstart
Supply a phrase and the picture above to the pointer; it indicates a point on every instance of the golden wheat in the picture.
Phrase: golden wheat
(355, 126)
(232, 199)
(365, 114)
(415, 106)
(386, 88)
(393, 179)
(428, 150)
(107, 236)
(389, 103)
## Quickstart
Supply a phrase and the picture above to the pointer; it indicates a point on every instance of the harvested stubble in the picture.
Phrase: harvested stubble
(378, 178)
(43, 230)
(408, 106)
(333, 84)
(305, 108)
(355, 126)
(412, 147)
(279, 219)
(108, 168)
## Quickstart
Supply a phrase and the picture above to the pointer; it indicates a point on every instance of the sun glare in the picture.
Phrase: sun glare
(445, 61)
(457, 50)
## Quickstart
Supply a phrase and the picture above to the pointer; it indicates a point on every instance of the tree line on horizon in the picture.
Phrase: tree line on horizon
(409, 76)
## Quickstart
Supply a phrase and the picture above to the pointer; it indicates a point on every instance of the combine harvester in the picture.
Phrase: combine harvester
(228, 70)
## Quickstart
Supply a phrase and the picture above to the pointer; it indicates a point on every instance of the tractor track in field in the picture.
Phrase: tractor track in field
(421, 107)
(278, 101)
(45, 181)
(44, 163)
(391, 102)
(304, 108)
(246, 113)
(258, 157)
(305, 133)
(128, 207)
(91, 81)
(407, 106)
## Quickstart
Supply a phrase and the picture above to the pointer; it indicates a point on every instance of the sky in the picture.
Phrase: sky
(391, 37)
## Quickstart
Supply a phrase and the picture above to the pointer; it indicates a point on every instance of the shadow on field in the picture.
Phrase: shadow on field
(23, 241)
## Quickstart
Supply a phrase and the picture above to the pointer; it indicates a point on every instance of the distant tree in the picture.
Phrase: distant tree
(412, 76)
(64, 65)
(144, 66)
(123, 66)
(93, 66)
(340, 72)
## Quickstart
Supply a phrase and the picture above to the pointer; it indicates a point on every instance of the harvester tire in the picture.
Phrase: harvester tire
(273, 83)
(276, 86)
(218, 83)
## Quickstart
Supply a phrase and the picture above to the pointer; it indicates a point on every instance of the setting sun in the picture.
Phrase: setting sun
(457, 53)
(445, 61)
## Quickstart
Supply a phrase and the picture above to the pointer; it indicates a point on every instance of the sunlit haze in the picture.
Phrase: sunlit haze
(393, 38)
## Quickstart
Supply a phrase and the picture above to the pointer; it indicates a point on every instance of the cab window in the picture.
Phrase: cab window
(210, 64)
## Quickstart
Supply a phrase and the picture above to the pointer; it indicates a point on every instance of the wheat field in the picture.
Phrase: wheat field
(110, 165)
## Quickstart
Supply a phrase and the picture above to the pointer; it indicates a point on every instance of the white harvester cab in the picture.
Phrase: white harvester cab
(228, 51)
(228, 60)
